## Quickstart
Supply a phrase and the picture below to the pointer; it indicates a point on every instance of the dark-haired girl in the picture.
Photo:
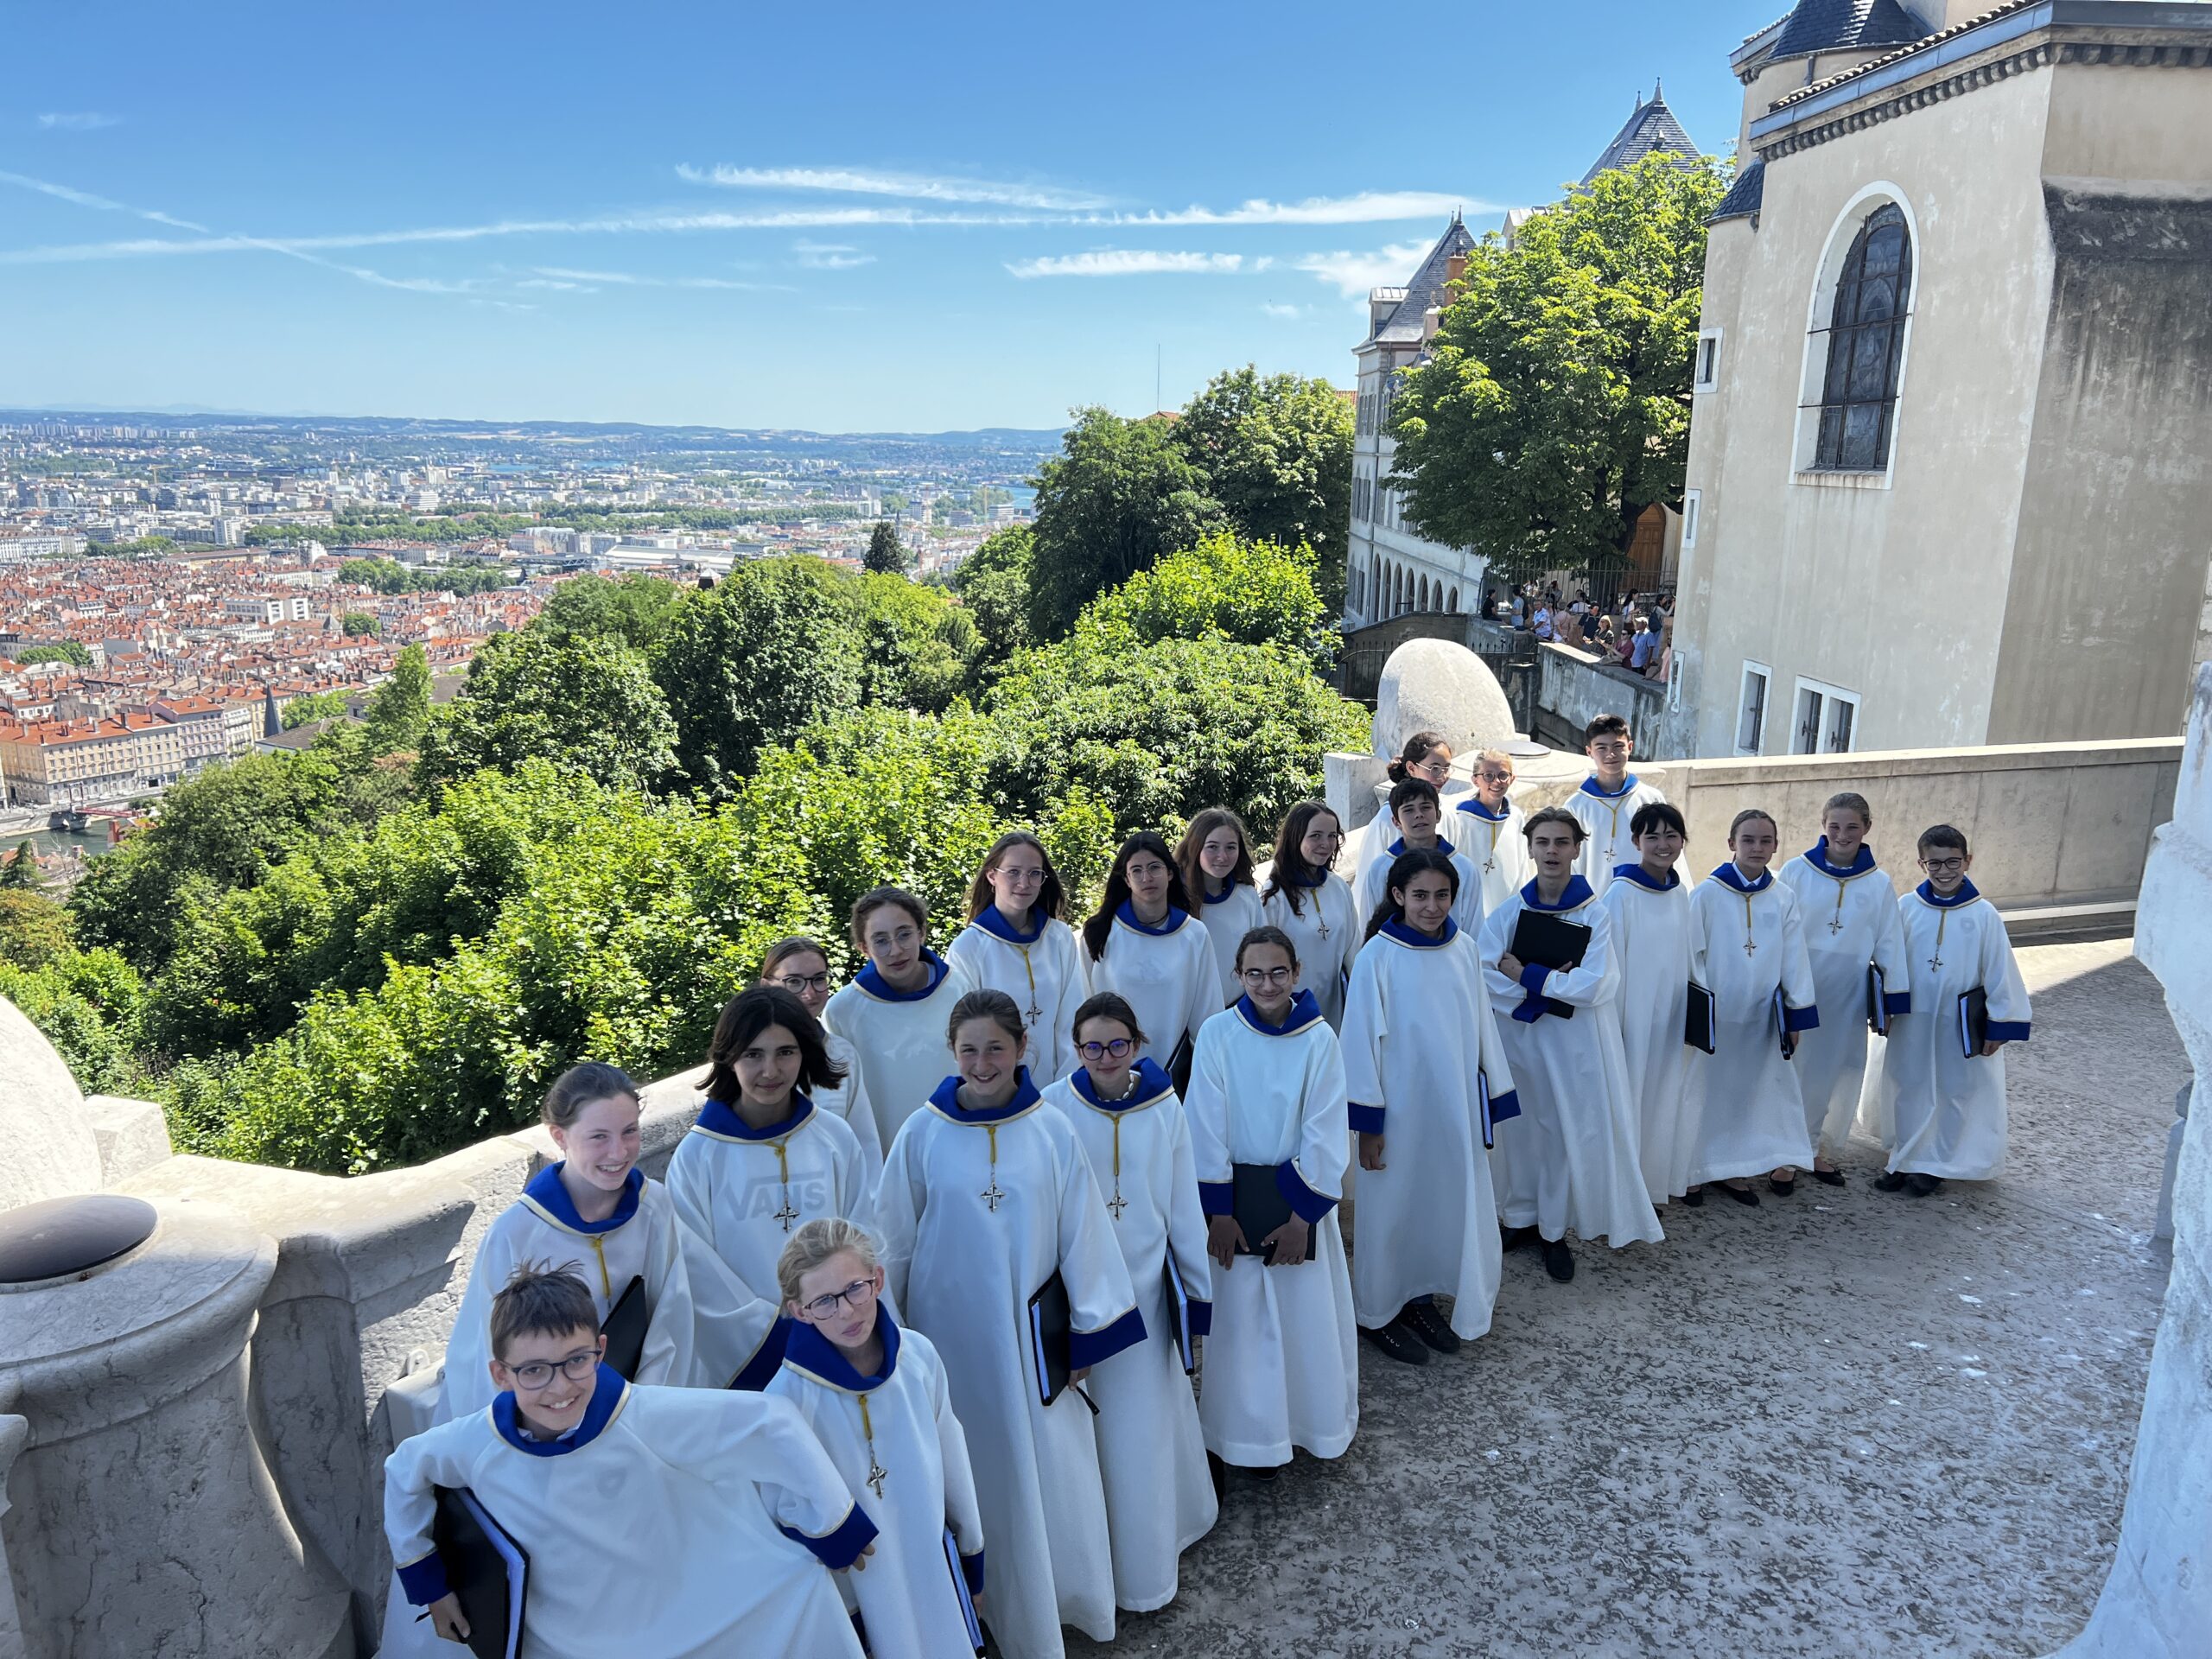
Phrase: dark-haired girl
(892, 1011)
(761, 1160)
(1215, 858)
(1426, 755)
(987, 1197)
(801, 966)
(1016, 942)
(1144, 943)
(1302, 894)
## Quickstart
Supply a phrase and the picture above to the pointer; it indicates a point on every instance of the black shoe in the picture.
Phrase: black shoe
(1890, 1181)
(1425, 1322)
(1220, 1471)
(1829, 1177)
(1694, 1196)
(1513, 1238)
(1559, 1260)
(1922, 1185)
(1396, 1340)
(1268, 1473)
(1783, 1188)
(1742, 1195)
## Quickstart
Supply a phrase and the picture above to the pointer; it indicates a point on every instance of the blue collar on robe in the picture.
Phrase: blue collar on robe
(1473, 804)
(810, 1353)
(1817, 857)
(1967, 894)
(1577, 893)
(1398, 846)
(1590, 787)
(1397, 928)
(548, 1196)
(1729, 876)
(1298, 878)
(717, 1118)
(999, 928)
(1152, 1084)
(876, 986)
(1126, 913)
(1302, 1012)
(1637, 873)
(607, 1393)
(1207, 896)
(946, 1099)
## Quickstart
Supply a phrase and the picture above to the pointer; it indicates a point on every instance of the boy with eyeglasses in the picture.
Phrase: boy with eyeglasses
(682, 1523)
(1607, 804)
(1945, 1104)
(1486, 826)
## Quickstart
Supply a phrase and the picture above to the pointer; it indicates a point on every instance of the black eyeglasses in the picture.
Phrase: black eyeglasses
(859, 1294)
(1118, 1048)
(537, 1373)
(799, 984)
(1266, 976)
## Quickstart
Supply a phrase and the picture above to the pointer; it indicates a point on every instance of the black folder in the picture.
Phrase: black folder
(1974, 1021)
(1178, 1316)
(1049, 1322)
(486, 1568)
(625, 1331)
(1697, 1018)
(1259, 1206)
(1178, 1066)
(960, 1590)
(1878, 1008)
(1553, 942)
(1784, 1037)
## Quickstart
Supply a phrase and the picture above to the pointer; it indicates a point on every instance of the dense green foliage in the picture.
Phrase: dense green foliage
(71, 652)
(357, 623)
(307, 709)
(1276, 453)
(1258, 593)
(993, 582)
(581, 703)
(885, 556)
(389, 576)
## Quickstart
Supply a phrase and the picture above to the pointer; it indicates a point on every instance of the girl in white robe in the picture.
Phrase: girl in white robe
(762, 1161)
(1159, 1498)
(801, 966)
(1015, 942)
(1607, 804)
(1747, 947)
(986, 1196)
(894, 1010)
(1312, 906)
(876, 1397)
(1570, 1158)
(1426, 755)
(1487, 826)
(1649, 903)
(687, 1524)
(1267, 1092)
(1850, 915)
(1144, 944)
(1417, 812)
(595, 1208)
(1215, 858)
(1427, 1077)
(1948, 1109)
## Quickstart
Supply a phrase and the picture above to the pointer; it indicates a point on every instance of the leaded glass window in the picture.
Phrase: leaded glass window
(1858, 395)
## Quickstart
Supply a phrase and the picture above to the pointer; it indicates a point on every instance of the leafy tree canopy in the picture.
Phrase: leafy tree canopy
(632, 610)
(1255, 593)
(398, 715)
(581, 703)
(72, 652)
(1275, 451)
(993, 583)
(887, 555)
(310, 706)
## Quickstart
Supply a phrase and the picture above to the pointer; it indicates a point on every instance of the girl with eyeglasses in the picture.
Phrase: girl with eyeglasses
(761, 1161)
(1215, 858)
(1302, 894)
(1143, 942)
(1016, 942)
(1426, 755)
(1269, 1136)
(987, 1204)
(876, 1396)
(892, 1011)
(801, 966)
(1151, 1452)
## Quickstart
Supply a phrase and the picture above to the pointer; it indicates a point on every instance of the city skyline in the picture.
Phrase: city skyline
(954, 230)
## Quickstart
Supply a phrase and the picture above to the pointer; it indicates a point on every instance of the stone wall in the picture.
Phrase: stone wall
(1574, 687)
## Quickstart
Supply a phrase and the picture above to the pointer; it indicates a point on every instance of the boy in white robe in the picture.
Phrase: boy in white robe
(686, 1523)
(1159, 1498)
(986, 1196)
(1417, 812)
(1850, 915)
(1606, 805)
(876, 1396)
(1215, 856)
(1947, 1107)
(1427, 1077)
(1301, 894)
(1489, 833)
(1570, 1158)
(1267, 1094)
(1649, 903)
(893, 1011)
(1747, 947)
(1015, 942)
(1144, 944)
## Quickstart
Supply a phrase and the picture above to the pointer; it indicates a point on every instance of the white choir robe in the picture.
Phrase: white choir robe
(848, 1100)
(1947, 1110)
(976, 1211)
(1152, 1454)
(1042, 970)
(1373, 885)
(896, 1427)
(1496, 846)
(1608, 818)
(1570, 1158)
(1651, 939)
(1419, 1046)
(1753, 1119)
(1229, 916)
(742, 1193)
(641, 1239)
(1282, 1364)
(1166, 975)
(899, 1037)
(686, 1523)
(1850, 917)
(1325, 930)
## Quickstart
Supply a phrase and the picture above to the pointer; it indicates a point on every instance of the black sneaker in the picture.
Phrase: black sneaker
(1513, 1238)
(1425, 1322)
(1559, 1260)
(1922, 1185)
(1829, 1177)
(1694, 1196)
(1396, 1340)
(1890, 1180)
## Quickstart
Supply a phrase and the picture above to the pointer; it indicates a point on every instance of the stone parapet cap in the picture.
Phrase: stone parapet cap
(1895, 763)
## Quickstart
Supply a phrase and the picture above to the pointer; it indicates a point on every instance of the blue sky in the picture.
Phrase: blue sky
(858, 217)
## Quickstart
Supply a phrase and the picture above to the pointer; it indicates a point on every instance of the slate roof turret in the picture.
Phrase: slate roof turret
(1652, 127)
(1425, 289)
(1846, 26)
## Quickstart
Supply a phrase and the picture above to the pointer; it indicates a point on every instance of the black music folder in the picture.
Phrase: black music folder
(486, 1568)
(625, 1331)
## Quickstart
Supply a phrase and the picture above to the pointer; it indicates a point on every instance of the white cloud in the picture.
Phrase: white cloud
(829, 255)
(911, 187)
(1288, 313)
(1129, 261)
(1368, 206)
(1353, 274)
(625, 279)
(82, 121)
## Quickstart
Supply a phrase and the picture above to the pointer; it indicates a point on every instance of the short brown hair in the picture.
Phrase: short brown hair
(875, 899)
(578, 1086)
(996, 1007)
(783, 950)
(1942, 834)
(1266, 935)
(540, 1301)
(1849, 801)
(1746, 816)
(1554, 815)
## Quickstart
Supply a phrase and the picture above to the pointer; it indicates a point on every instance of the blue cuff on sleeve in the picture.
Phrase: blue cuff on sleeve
(1533, 976)
(1218, 1198)
(1531, 1009)
(1088, 1348)
(1305, 1203)
(1805, 1019)
(424, 1582)
(1504, 1106)
(1201, 1319)
(971, 1568)
(1896, 1002)
(1366, 1120)
(839, 1549)
(2007, 1031)
(761, 1368)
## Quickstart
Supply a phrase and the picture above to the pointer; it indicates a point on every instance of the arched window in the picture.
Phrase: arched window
(1424, 593)
(1859, 392)
(1454, 605)
(1397, 588)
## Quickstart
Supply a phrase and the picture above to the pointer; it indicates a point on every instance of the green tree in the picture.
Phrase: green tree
(33, 929)
(1119, 495)
(633, 610)
(306, 709)
(398, 714)
(382, 576)
(993, 583)
(1255, 593)
(1555, 405)
(581, 703)
(887, 555)
(1275, 451)
(21, 871)
(918, 649)
(70, 652)
(357, 623)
